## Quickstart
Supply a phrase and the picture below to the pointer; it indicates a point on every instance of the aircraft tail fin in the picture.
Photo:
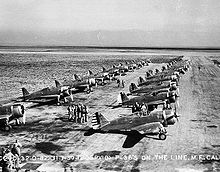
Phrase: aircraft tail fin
(25, 92)
(132, 87)
(76, 77)
(98, 120)
(103, 69)
(140, 80)
(122, 97)
(148, 74)
(57, 83)
(89, 72)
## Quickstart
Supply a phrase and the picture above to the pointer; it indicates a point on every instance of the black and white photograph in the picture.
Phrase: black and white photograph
(109, 85)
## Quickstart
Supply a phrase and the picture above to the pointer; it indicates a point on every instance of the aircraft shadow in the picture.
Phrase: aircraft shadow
(133, 137)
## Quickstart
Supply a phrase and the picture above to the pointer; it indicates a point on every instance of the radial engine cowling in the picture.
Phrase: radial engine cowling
(171, 121)
(17, 110)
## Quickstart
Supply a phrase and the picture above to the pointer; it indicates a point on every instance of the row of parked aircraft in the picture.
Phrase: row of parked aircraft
(61, 91)
(159, 89)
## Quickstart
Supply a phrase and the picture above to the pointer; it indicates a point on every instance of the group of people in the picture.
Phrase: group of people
(10, 157)
(140, 108)
(78, 113)
(120, 83)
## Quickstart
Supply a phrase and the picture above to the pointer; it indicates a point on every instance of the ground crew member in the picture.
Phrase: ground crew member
(7, 161)
(74, 113)
(70, 112)
(133, 109)
(82, 113)
(137, 107)
(79, 115)
(123, 83)
(118, 82)
(144, 109)
(85, 112)
(16, 151)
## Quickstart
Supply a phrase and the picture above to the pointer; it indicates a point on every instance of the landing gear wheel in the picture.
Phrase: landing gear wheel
(88, 91)
(18, 123)
(162, 136)
(7, 128)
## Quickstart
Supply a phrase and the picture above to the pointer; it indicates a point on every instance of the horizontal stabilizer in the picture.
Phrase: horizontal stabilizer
(25, 92)
(57, 83)
(132, 87)
(98, 120)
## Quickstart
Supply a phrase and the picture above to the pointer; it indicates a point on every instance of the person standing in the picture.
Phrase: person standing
(16, 151)
(123, 83)
(81, 112)
(78, 114)
(133, 109)
(118, 82)
(7, 161)
(144, 109)
(85, 113)
(74, 114)
(70, 112)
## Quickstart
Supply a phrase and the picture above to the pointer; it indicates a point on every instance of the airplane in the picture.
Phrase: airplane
(112, 72)
(154, 89)
(166, 74)
(121, 68)
(78, 84)
(135, 126)
(46, 95)
(8, 113)
(98, 78)
(150, 100)
(131, 66)
(142, 82)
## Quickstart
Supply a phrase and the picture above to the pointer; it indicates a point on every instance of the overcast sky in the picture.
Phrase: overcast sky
(110, 22)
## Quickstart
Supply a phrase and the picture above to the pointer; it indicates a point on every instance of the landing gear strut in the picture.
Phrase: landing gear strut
(162, 136)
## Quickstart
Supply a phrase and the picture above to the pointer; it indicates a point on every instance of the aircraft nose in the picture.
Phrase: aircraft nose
(171, 121)
(92, 81)
(172, 97)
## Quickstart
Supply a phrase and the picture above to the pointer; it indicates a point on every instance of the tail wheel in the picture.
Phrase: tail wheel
(7, 128)
(162, 136)
(88, 91)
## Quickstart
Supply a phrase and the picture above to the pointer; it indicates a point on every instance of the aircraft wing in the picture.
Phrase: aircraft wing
(4, 117)
(148, 128)
(44, 99)
(157, 102)
(41, 100)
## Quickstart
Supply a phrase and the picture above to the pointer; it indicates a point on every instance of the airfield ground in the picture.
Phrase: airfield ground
(189, 144)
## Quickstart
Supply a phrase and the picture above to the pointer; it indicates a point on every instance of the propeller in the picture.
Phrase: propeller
(24, 118)
(71, 94)
(175, 113)
(177, 101)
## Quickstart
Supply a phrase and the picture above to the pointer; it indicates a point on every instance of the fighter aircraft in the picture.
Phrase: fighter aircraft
(121, 68)
(98, 78)
(46, 95)
(142, 82)
(131, 66)
(111, 73)
(78, 85)
(8, 113)
(151, 100)
(135, 126)
(150, 89)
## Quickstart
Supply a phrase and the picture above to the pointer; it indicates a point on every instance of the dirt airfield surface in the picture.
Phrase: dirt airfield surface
(52, 143)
